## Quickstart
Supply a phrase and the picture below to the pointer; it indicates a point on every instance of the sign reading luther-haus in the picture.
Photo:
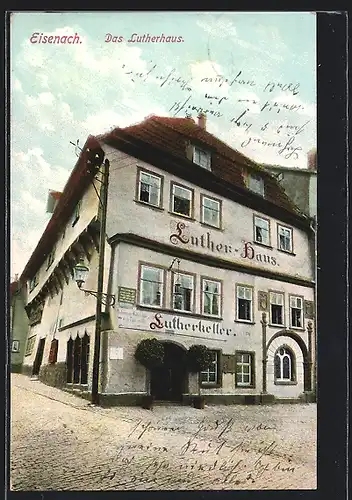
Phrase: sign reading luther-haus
(167, 323)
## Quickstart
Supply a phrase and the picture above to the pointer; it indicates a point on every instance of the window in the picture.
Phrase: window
(182, 200)
(284, 238)
(255, 183)
(76, 212)
(202, 158)
(211, 375)
(33, 282)
(261, 230)
(151, 286)
(244, 303)
(296, 312)
(15, 346)
(30, 345)
(284, 363)
(149, 188)
(51, 257)
(244, 369)
(211, 297)
(183, 292)
(54, 347)
(211, 211)
(276, 308)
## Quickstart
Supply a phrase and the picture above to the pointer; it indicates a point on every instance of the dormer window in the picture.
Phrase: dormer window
(255, 183)
(201, 158)
(33, 282)
(51, 257)
(76, 213)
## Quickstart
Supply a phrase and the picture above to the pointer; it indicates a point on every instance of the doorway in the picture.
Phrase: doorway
(168, 381)
(38, 357)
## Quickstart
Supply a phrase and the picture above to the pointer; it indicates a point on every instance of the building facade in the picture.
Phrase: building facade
(203, 247)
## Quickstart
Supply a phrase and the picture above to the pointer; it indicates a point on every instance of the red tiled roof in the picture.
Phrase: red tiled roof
(164, 135)
(171, 135)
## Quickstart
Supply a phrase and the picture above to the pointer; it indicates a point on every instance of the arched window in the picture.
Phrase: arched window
(284, 363)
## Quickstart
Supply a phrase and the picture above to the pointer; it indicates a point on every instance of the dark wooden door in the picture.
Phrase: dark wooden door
(168, 380)
(38, 357)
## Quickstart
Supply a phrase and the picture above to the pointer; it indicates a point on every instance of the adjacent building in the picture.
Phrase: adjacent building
(18, 325)
(203, 247)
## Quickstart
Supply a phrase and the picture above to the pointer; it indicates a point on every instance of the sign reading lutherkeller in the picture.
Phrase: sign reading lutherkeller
(170, 323)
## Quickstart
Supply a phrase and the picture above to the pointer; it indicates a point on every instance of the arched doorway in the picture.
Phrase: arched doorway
(168, 382)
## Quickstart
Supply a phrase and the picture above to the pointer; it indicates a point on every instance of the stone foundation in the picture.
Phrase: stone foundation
(27, 370)
(16, 368)
(53, 374)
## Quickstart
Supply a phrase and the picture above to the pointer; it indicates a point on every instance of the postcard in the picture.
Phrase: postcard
(163, 297)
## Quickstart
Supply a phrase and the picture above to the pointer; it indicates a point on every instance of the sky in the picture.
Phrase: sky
(253, 73)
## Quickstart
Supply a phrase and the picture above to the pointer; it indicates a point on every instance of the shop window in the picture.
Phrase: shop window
(276, 308)
(211, 211)
(211, 376)
(149, 188)
(284, 365)
(244, 303)
(211, 297)
(181, 200)
(151, 286)
(183, 292)
(261, 230)
(244, 369)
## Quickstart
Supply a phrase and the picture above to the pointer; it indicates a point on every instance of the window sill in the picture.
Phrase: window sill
(245, 322)
(210, 385)
(263, 245)
(286, 252)
(181, 313)
(284, 382)
(298, 328)
(149, 205)
(182, 216)
(276, 326)
(239, 386)
(211, 227)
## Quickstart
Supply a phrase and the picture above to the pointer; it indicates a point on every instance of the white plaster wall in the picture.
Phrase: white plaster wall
(160, 224)
(88, 211)
(126, 375)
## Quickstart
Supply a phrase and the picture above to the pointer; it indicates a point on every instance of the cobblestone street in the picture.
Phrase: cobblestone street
(61, 442)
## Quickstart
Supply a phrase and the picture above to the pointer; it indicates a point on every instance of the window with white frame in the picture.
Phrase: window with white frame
(261, 230)
(211, 297)
(276, 308)
(255, 183)
(15, 346)
(183, 292)
(296, 311)
(149, 188)
(211, 211)
(151, 286)
(211, 375)
(284, 238)
(284, 364)
(202, 158)
(182, 200)
(30, 345)
(244, 303)
(244, 369)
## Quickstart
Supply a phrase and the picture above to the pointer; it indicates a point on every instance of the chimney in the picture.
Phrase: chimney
(312, 159)
(202, 121)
